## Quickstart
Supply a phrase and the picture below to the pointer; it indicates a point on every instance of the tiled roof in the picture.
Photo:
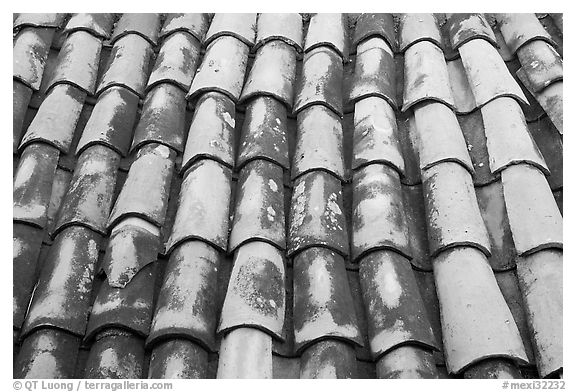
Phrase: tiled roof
(287, 195)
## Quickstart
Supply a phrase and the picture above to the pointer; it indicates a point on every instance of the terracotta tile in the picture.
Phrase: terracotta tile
(187, 305)
(38, 20)
(259, 212)
(222, 69)
(177, 60)
(476, 321)
(507, 138)
(376, 135)
(535, 220)
(395, 310)
(239, 26)
(32, 185)
(77, 62)
(111, 121)
(416, 28)
(115, 356)
(194, 24)
(255, 296)
(316, 217)
(374, 25)
(328, 30)
(56, 119)
(425, 76)
(62, 296)
(284, 27)
(245, 353)
(207, 188)
(145, 192)
(374, 73)
(439, 137)
(319, 143)
(54, 347)
(378, 220)
(407, 362)
(520, 28)
(144, 25)
(540, 279)
(178, 359)
(272, 74)
(128, 65)
(89, 198)
(323, 306)
(542, 65)
(466, 27)
(264, 133)
(328, 359)
(452, 210)
(21, 95)
(212, 131)
(30, 51)
(100, 25)
(162, 118)
(321, 81)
